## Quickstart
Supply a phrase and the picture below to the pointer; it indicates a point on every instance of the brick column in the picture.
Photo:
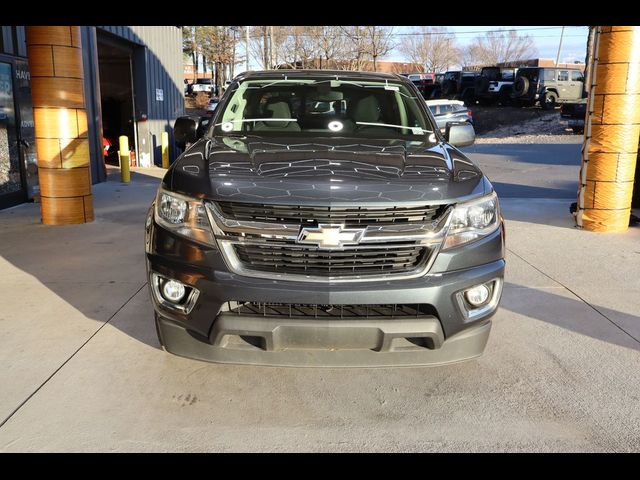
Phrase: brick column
(612, 131)
(57, 87)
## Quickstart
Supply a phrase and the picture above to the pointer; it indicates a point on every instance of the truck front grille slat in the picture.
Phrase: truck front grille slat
(349, 216)
(257, 247)
(317, 310)
(306, 261)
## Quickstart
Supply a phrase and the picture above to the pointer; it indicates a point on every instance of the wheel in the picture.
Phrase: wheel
(549, 101)
(504, 98)
(469, 96)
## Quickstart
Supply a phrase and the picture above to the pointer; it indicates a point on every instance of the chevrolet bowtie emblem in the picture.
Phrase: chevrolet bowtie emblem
(330, 236)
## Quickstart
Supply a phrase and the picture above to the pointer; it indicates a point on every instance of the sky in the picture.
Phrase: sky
(545, 38)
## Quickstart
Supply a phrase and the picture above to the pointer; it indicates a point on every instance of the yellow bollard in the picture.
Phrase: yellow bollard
(124, 159)
(165, 150)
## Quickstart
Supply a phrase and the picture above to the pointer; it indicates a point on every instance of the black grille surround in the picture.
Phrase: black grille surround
(338, 311)
(308, 260)
(311, 215)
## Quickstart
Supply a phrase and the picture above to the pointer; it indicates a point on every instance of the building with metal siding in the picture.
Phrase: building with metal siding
(155, 54)
(133, 85)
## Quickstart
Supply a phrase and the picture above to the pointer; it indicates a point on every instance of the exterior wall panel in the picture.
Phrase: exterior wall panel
(162, 70)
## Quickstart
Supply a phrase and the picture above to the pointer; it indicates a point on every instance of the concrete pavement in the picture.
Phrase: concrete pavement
(82, 369)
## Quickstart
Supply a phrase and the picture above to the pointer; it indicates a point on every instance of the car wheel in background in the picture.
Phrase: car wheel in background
(504, 98)
(549, 101)
(521, 86)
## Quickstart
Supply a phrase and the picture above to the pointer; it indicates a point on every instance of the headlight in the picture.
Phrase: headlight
(473, 220)
(184, 216)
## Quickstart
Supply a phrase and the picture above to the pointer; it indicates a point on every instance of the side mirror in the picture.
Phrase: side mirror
(203, 126)
(460, 134)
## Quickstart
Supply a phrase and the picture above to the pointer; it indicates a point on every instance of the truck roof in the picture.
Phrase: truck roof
(317, 73)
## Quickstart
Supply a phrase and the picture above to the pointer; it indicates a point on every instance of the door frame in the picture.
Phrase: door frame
(15, 198)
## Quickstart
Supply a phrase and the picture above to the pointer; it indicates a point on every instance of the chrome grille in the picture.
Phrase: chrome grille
(259, 240)
(348, 216)
(305, 260)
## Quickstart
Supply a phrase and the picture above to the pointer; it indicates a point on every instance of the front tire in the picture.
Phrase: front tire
(549, 101)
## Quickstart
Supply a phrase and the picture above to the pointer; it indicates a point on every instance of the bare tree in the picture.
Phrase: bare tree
(190, 47)
(469, 55)
(330, 44)
(433, 47)
(217, 44)
(503, 46)
(356, 48)
(379, 42)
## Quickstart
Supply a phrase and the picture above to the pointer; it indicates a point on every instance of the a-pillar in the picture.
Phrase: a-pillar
(612, 131)
(57, 88)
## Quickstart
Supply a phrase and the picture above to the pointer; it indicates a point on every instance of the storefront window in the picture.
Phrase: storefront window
(10, 181)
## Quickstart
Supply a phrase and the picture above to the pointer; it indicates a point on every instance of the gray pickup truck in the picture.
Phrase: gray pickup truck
(322, 218)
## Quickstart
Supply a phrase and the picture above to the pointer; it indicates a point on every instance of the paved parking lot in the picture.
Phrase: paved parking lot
(82, 369)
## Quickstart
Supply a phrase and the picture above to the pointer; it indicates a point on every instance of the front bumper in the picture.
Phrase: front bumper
(446, 336)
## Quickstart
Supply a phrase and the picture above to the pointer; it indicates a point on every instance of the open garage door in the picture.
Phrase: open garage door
(116, 96)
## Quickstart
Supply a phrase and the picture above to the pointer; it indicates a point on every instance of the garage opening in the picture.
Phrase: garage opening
(116, 97)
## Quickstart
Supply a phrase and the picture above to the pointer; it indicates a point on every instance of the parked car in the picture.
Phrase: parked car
(419, 76)
(359, 235)
(212, 105)
(426, 84)
(203, 85)
(495, 85)
(547, 86)
(459, 85)
(445, 111)
(572, 114)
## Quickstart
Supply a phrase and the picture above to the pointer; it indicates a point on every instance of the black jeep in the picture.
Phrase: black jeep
(495, 85)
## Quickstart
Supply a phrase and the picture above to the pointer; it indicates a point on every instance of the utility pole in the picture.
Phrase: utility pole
(246, 46)
(270, 48)
(195, 53)
(588, 62)
(559, 46)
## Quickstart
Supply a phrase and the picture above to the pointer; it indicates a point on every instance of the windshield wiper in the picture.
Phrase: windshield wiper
(402, 127)
(246, 120)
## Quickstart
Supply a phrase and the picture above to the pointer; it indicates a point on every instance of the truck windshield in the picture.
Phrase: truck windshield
(299, 107)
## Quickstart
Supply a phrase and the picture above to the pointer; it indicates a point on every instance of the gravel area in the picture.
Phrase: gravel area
(546, 128)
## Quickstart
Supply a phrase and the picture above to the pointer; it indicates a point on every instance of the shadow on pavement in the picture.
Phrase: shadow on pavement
(570, 313)
(561, 189)
(95, 267)
(567, 154)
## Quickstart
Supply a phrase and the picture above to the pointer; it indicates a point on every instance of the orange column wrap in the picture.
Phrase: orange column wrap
(62, 143)
(612, 132)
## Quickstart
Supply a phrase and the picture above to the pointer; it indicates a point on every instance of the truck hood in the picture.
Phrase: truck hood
(325, 171)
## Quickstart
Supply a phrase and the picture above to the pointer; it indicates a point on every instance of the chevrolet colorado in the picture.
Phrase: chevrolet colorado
(322, 219)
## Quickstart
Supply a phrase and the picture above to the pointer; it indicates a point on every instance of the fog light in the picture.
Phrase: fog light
(478, 295)
(173, 291)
